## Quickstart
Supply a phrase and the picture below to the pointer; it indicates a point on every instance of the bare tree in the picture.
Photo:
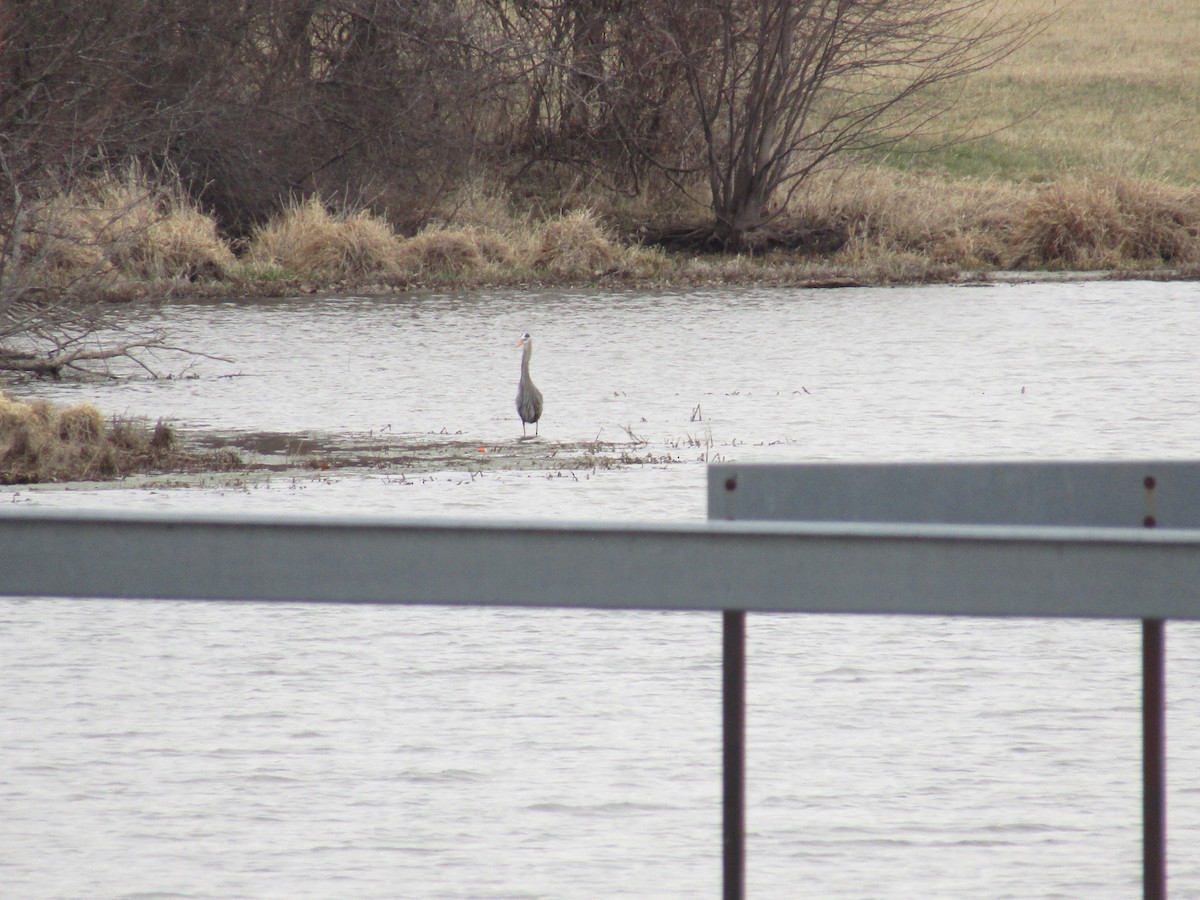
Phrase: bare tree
(579, 85)
(249, 102)
(778, 87)
(374, 101)
(390, 102)
(73, 86)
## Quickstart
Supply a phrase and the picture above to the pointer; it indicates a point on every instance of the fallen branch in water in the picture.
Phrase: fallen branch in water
(61, 358)
(56, 361)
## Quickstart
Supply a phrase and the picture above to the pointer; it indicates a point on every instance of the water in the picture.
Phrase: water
(221, 750)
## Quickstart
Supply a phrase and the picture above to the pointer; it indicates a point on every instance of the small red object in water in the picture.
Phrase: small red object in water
(482, 450)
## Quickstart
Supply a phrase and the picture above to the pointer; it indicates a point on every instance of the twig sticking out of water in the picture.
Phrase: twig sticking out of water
(633, 437)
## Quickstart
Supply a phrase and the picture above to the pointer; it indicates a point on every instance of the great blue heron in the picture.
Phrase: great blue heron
(529, 398)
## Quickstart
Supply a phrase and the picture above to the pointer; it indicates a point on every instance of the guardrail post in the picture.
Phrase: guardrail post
(1154, 765)
(734, 752)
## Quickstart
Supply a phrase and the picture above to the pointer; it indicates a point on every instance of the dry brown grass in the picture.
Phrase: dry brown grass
(1086, 224)
(182, 243)
(1107, 224)
(306, 239)
(125, 226)
(1108, 88)
(876, 223)
(450, 251)
(43, 442)
(879, 210)
(569, 247)
(871, 223)
(574, 245)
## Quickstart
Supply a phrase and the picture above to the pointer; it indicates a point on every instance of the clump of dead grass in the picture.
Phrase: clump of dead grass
(476, 233)
(122, 226)
(574, 245)
(1104, 224)
(877, 223)
(308, 240)
(868, 215)
(881, 218)
(44, 442)
(451, 251)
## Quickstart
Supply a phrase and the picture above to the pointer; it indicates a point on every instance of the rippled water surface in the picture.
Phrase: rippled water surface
(239, 750)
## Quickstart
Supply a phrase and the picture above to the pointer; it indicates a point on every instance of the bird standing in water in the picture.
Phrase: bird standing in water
(529, 398)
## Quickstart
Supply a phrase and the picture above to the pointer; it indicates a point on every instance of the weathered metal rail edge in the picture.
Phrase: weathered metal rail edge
(976, 570)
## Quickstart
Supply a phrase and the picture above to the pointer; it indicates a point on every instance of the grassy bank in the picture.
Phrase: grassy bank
(1084, 154)
(862, 224)
(1079, 151)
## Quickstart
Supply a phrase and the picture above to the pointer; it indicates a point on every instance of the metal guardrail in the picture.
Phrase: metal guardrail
(718, 565)
(1108, 540)
(1036, 497)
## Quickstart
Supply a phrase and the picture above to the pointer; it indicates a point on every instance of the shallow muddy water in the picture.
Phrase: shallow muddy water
(217, 750)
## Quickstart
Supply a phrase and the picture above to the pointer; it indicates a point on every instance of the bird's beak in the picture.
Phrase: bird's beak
(519, 344)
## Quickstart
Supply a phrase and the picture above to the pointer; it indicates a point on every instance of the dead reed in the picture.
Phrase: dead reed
(447, 252)
(574, 245)
(859, 224)
(1107, 224)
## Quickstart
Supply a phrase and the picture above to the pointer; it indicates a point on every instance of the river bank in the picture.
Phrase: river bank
(127, 238)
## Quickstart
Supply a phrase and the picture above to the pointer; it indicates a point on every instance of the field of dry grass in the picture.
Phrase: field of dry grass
(877, 225)
(1108, 87)
(130, 236)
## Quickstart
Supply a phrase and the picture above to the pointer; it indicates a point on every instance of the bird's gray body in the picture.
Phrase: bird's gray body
(529, 398)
